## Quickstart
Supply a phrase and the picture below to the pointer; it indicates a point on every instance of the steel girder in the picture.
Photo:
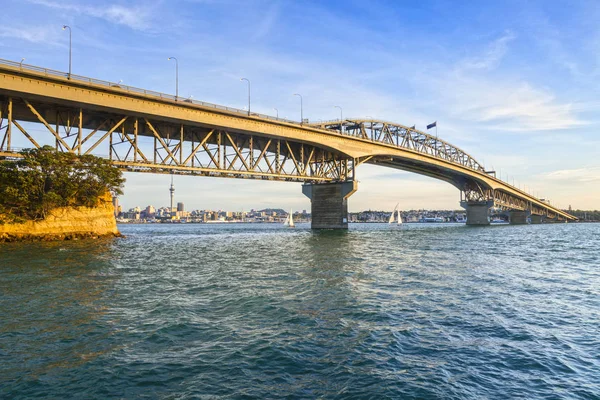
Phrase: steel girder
(472, 192)
(145, 145)
(402, 136)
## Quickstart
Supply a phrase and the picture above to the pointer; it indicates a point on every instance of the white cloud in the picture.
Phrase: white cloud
(265, 25)
(470, 92)
(493, 55)
(31, 34)
(513, 107)
(578, 175)
(137, 18)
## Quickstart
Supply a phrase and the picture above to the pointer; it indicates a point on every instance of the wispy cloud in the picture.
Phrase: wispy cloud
(267, 21)
(493, 55)
(578, 175)
(138, 17)
(35, 34)
(469, 91)
(512, 106)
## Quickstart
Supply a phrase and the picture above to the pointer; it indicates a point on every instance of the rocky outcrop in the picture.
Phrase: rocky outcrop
(66, 223)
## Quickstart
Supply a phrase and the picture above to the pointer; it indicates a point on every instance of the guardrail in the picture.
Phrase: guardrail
(135, 90)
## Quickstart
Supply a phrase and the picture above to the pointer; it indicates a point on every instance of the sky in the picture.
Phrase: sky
(514, 83)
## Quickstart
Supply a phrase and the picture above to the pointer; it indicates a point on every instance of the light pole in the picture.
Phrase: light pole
(176, 77)
(21, 63)
(247, 80)
(301, 109)
(277, 111)
(341, 117)
(70, 46)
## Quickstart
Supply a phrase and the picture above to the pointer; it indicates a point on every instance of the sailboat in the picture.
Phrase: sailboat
(399, 220)
(289, 221)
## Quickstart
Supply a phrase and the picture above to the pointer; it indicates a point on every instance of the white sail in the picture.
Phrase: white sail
(291, 224)
(399, 218)
(392, 216)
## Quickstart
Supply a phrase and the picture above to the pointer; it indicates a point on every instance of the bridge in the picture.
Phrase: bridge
(145, 131)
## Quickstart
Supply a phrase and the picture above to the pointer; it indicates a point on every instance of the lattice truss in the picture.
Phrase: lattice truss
(145, 145)
(402, 136)
(474, 192)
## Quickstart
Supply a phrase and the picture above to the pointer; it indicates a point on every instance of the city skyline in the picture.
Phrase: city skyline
(513, 93)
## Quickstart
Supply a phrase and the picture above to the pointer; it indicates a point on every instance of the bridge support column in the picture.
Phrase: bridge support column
(329, 203)
(518, 217)
(477, 212)
(536, 219)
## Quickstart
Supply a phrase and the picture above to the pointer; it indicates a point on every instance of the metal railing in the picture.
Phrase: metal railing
(137, 91)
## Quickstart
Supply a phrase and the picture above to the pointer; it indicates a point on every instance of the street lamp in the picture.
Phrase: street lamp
(21, 63)
(301, 109)
(176, 77)
(341, 117)
(245, 79)
(70, 46)
(277, 111)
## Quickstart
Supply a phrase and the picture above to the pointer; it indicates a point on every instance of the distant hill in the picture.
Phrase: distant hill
(271, 210)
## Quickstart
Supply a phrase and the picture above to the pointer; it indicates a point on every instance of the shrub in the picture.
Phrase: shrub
(45, 179)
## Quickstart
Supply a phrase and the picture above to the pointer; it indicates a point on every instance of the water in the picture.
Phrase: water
(259, 311)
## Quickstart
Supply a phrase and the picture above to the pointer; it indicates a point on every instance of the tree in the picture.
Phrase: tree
(45, 179)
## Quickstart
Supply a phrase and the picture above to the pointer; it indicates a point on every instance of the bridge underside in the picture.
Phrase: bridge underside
(141, 144)
(474, 194)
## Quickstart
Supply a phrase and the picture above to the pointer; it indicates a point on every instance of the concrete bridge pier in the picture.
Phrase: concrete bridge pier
(329, 203)
(517, 217)
(537, 219)
(478, 212)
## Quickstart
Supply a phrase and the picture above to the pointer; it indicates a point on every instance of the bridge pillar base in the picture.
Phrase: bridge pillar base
(518, 217)
(537, 219)
(329, 203)
(477, 212)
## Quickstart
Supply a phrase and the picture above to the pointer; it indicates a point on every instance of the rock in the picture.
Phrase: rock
(69, 223)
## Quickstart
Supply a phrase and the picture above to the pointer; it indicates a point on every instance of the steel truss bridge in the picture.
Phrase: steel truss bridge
(145, 131)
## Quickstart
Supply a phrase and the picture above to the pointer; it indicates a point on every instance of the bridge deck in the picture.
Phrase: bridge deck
(90, 112)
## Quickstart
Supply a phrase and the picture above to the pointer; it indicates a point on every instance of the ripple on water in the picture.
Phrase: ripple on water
(258, 311)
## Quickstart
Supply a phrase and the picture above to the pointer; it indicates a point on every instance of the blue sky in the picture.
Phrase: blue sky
(516, 84)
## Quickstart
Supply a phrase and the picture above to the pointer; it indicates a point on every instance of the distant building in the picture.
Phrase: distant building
(150, 212)
(180, 207)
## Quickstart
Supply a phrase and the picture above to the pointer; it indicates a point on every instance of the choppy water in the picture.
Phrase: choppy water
(259, 311)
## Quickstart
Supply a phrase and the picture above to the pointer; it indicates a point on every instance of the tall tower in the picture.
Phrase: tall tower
(172, 190)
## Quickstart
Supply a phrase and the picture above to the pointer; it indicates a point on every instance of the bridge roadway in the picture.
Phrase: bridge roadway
(145, 131)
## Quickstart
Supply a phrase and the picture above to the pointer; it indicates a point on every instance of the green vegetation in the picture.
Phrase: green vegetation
(583, 215)
(45, 179)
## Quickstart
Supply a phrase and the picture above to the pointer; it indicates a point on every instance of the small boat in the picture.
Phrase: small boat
(399, 219)
(289, 221)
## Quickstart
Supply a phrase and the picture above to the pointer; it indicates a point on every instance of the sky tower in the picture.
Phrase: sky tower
(172, 190)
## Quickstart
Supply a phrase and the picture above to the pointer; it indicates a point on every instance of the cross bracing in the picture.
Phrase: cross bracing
(146, 145)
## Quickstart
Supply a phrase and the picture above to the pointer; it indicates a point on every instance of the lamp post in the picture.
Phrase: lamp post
(301, 109)
(341, 117)
(247, 80)
(176, 77)
(70, 46)
(21, 63)
(277, 111)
